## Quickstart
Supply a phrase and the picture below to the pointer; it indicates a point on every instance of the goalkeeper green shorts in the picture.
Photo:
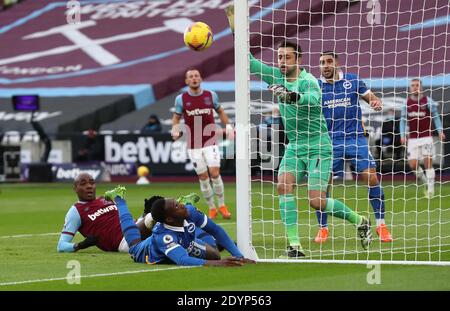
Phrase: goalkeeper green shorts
(318, 168)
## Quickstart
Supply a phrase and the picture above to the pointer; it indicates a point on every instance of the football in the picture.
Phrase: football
(143, 171)
(198, 36)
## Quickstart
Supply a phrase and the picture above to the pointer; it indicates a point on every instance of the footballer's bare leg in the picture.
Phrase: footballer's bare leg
(208, 193)
(219, 191)
(430, 175)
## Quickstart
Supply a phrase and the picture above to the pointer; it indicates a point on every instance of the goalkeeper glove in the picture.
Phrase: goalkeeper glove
(284, 95)
(190, 198)
(88, 242)
(229, 10)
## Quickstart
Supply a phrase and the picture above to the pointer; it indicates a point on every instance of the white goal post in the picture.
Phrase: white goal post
(420, 226)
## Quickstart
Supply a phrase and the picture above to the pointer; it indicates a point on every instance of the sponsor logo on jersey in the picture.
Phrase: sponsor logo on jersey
(191, 227)
(338, 102)
(415, 114)
(198, 112)
(168, 239)
(102, 211)
(347, 85)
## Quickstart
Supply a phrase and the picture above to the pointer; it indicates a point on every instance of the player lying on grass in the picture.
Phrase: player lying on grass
(309, 150)
(96, 219)
(340, 105)
(174, 238)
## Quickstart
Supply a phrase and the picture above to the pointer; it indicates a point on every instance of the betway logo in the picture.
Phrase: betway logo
(26, 116)
(102, 211)
(198, 112)
(415, 114)
(145, 150)
(62, 173)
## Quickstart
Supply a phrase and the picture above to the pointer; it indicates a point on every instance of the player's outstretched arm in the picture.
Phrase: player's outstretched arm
(263, 71)
(227, 262)
(436, 118)
(373, 100)
(71, 225)
(403, 118)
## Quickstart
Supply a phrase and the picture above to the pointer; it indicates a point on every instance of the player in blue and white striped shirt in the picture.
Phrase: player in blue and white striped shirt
(340, 105)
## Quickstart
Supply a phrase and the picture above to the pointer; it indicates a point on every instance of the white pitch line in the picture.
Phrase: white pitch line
(95, 275)
(30, 235)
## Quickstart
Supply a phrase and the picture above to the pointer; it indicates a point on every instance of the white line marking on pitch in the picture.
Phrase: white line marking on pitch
(58, 233)
(95, 275)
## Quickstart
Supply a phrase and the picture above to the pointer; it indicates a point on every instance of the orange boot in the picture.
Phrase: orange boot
(224, 211)
(383, 233)
(213, 213)
(322, 235)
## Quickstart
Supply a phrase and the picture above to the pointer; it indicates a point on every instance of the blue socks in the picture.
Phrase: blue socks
(376, 198)
(129, 229)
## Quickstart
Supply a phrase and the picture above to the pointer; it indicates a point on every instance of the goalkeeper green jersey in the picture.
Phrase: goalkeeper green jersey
(303, 121)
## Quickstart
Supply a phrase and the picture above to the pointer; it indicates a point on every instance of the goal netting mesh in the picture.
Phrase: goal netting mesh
(386, 43)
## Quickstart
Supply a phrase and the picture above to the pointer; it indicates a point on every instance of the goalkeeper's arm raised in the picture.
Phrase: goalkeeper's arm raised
(263, 71)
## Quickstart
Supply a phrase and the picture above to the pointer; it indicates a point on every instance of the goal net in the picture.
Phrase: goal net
(386, 44)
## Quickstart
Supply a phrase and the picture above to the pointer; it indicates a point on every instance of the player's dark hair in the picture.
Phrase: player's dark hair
(149, 202)
(190, 69)
(289, 44)
(158, 210)
(330, 53)
(417, 79)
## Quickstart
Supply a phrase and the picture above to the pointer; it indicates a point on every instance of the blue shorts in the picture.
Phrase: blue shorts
(354, 149)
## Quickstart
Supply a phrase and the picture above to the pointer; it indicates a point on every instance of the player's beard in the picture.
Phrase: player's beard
(329, 74)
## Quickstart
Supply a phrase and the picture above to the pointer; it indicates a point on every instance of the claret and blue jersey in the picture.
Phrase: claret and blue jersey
(342, 111)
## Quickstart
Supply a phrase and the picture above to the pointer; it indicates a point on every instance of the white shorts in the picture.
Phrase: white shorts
(123, 246)
(418, 148)
(205, 157)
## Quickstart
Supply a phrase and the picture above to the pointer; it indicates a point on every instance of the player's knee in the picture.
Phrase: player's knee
(214, 173)
(373, 180)
(318, 203)
(203, 176)
(284, 188)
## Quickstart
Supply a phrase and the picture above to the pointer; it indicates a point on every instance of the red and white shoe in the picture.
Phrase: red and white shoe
(322, 235)
(384, 234)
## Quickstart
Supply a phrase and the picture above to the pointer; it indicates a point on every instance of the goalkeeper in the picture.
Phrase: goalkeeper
(309, 149)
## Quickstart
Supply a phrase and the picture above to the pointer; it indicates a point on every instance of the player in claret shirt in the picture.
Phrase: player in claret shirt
(175, 237)
(197, 107)
(96, 219)
(340, 105)
(418, 112)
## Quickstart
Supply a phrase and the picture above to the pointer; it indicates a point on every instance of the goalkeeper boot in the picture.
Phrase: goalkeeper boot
(364, 232)
(119, 191)
(322, 235)
(384, 234)
(213, 213)
(190, 198)
(295, 251)
(223, 210)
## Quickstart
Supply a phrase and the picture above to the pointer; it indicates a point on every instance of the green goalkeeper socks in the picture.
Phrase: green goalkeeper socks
(289, 215)
(338, 209)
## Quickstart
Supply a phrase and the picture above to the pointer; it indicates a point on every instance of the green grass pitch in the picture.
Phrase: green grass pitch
(31, 215)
